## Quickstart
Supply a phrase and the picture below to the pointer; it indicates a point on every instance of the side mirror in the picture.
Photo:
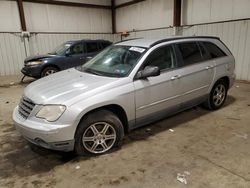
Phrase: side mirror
(148, 71)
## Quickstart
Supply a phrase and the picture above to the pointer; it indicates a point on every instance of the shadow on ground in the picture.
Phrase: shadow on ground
(18, 157)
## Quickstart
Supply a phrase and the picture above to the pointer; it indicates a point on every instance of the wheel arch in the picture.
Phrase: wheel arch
(115, 109)
(225, 79)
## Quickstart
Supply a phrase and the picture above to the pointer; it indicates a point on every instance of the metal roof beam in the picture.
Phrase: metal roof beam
(66, 3)
(129, 3)
(21, 14)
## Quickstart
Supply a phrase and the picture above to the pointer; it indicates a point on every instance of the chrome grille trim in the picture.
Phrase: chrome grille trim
(25, 107)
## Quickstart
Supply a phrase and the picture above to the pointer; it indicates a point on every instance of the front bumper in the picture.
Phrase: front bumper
(47, 136)
(32, 71)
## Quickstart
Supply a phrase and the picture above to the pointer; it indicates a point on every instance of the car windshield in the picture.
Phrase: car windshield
(60, 50)
(114, 61)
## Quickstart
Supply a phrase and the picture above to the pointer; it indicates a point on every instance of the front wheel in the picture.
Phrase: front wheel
(217, 95)
(98, 133)
(48, 71)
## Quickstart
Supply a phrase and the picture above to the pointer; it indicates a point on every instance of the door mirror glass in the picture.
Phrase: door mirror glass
(148, 71)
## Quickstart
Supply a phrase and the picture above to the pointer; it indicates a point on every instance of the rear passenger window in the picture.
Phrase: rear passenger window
(204, 52)
(92, 47)
(190, 53)
(163, 57)
(104, 44)
(214, 50)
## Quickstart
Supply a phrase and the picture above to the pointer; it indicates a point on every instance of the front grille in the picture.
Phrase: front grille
(25, 107)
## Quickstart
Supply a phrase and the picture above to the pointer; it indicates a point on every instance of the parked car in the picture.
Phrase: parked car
(69, 54)
(130, 84)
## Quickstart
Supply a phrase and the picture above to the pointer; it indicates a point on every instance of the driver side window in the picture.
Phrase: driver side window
(76, 49)
(162, 57)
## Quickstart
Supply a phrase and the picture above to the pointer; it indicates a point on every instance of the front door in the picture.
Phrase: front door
(157, 96)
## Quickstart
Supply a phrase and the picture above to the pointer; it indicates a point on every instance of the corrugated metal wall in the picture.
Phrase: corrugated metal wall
(54, 18)
(12, 53)
(145, 15)
(9, 17)
(204, 11)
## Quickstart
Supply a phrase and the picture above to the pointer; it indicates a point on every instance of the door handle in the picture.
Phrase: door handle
(89, 57)
(175, 77)
(209, 67)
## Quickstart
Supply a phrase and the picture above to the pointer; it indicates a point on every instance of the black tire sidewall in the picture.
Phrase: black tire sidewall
(98, 116)
(46, 69)
(211, 102)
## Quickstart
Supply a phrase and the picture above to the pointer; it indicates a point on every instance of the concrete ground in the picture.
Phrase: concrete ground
(211, 149)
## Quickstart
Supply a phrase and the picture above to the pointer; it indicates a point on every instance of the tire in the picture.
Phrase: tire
(98, 133)
(217, 96)
(48, 71)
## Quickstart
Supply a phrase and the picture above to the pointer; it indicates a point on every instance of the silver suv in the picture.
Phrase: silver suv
(129, 84)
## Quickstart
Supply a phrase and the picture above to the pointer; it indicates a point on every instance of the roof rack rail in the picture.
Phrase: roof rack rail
(129, 40)
(176, 38)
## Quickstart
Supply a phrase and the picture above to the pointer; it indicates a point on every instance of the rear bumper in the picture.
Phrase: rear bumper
(32, 71)
(56, 138)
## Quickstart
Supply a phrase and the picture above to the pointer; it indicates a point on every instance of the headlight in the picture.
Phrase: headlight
(33, 63)
(51, 112)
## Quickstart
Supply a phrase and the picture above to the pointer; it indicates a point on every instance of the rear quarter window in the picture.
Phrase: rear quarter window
(213, 50)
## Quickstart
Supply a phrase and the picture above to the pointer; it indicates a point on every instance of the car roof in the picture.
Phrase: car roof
(148, 43)
(88, 40)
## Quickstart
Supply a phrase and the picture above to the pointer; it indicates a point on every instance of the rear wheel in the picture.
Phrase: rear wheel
(98, 133)
(217, 95)
(48, 71)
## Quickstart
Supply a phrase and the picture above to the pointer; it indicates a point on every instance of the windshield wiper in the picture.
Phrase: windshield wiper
(93, 72)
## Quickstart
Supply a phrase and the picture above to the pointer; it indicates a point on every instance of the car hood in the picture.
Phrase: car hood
(64, 86)
(36, 57)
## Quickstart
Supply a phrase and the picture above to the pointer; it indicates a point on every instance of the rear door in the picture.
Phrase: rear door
(157, 96)
(197, 72)
(91, 49)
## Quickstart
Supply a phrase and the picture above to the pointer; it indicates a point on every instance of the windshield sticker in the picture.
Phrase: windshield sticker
(137, 49)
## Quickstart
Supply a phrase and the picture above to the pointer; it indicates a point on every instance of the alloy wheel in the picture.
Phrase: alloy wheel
(219, 95)
(49, 72)
(99, 137)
